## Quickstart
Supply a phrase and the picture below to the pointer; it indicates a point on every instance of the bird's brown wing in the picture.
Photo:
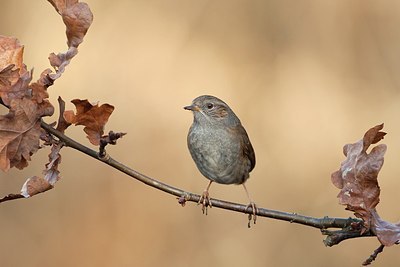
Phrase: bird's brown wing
(248, 150)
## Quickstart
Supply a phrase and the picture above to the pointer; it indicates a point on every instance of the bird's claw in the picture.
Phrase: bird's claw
(253, 215)
(205, 201)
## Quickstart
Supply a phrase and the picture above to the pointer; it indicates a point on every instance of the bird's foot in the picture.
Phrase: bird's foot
(253, 215)
(205, 201)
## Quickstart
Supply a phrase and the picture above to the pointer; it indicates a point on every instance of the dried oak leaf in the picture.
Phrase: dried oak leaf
(14, 78)
(387, 233)
(20, 132)
(18, 89)
(61, 5)
(357, 176)
(34, 186)
(11, 52)
(77, 18)
(62, 124)
(93, 117)
(51, 173)
(7, 76)
(60, 61)
(38, 90)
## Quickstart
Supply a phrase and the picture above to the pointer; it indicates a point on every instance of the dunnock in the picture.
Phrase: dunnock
(219, 146)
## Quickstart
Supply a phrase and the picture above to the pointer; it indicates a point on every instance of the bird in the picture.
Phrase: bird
(220, 147)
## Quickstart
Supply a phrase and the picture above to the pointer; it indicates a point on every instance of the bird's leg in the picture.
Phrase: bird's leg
(205, 199)
(253, 207)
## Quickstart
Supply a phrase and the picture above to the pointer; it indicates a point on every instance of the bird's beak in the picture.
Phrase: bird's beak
(192, 108)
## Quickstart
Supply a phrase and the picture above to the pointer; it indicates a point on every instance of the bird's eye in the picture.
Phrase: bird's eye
(210, 105)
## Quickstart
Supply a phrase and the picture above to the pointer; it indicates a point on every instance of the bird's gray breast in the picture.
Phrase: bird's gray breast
(218, 154)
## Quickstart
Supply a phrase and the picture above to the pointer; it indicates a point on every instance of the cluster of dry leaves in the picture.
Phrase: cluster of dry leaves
(20, 129)
(357, 180)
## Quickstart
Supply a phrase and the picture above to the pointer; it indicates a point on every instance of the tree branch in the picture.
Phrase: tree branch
(351, 227)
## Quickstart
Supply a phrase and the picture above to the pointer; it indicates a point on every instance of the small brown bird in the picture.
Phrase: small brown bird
(220, 146)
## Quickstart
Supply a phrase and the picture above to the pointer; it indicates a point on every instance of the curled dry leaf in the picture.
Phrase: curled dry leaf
(34, 186)
(38, 90)
(77, 18)
(62, 124)
(357, 177)
(8, 76)
(60, 61)
(18, 89)
(14, 78)
(62, 5)
(93, 117)
(387, 233)
(51, 173)
(358, 181)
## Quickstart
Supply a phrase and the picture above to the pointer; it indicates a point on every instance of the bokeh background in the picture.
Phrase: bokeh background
(305, 77)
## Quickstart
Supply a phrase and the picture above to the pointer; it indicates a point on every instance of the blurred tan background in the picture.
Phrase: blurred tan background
(305, 77)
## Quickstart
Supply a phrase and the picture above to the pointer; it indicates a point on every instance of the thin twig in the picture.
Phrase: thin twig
(11, 197)
(183, 196)
(373, 255)
(335, 237)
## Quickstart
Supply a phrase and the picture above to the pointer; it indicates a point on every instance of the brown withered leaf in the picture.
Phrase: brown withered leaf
(27, 103)
(357, 176)
(14, 78)
(62, 124)
(57, 60)
(18, 89)
(373, 136)
(77, 18)
(61, 61)
(11, 52)
(38, 89)
(20, 132)
(62, 5)
(387, 233)
(51, 173)
(7, 76)
(93, 117)
(45, 78)
(34, 186)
